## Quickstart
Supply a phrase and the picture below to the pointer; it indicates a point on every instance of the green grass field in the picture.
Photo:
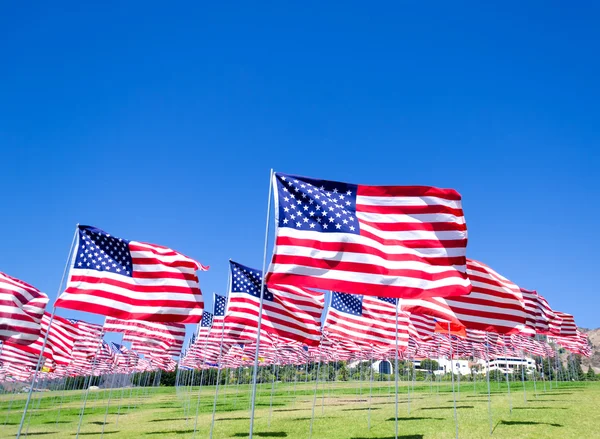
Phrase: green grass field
(341, 411)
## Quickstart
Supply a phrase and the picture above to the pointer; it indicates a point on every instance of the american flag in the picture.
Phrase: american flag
(88, 338)
(124, 357)
(365, 320)
(289, 312)
(205, 325)
(546, 316)
(131, 280)
(21, 310)
(17, 357)
(565, 324)
(393, 241)
(495, 304)
(169, 334)
(61, 339)
(222, 330)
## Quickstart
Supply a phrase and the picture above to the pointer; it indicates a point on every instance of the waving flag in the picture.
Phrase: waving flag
(132, 280)
(393, 241)
(495, 304)
(288, 312)
(365, 320)
(21, 310)
(567, 326)
(171, 334)
(61, 339)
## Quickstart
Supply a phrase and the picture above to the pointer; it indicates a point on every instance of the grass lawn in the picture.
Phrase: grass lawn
(342, 411)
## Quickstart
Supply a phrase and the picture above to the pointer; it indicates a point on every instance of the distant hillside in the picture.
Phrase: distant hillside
(594, 360)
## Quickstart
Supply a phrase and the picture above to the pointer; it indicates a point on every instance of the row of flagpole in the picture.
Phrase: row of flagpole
(255, 369)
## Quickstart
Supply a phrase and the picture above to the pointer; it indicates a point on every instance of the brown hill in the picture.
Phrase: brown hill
(594, 360)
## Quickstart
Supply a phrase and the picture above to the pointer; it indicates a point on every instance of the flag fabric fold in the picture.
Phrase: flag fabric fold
(131, 280)
(393, 241)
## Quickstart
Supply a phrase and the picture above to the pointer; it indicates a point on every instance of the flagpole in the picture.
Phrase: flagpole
(315, 397)
(487, 355)
(370, 391)
(272, 390)
(212, 424)
(260, 309)
(37, 367)
(396, 363)
(523, 377)
(452, 371)
(507, 380)
(87, 391)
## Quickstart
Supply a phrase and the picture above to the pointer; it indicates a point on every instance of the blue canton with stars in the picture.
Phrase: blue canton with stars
(100, 251)
(220, 304)
(207, 320)
(388, 300)
(348, 303)
(318, 205)
(247, 280)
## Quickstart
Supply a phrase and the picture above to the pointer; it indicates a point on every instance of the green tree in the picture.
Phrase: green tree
(590, 375)
(429, 364)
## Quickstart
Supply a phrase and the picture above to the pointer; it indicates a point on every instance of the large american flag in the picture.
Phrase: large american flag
(289, 312)
(365, 320)
(393, 241)
(132, 280)
(21, 310)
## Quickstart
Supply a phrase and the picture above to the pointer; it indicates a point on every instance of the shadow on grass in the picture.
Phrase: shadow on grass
(170, 432)
(289, 410)
(232, 419)
(40, 433)
(528, 423)
(265, 434)
(360, 409)
(540, 408)
(268, 404)
(416, 418)
(168, 419)
(58, 422)
(448, 408)
(407, 436)
(92, 433)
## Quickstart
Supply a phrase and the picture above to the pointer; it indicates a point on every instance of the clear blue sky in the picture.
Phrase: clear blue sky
(160, 121)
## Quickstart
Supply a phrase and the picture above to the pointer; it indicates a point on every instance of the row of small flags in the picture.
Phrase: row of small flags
(392, 256)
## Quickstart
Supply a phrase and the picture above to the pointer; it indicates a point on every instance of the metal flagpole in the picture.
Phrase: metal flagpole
(370, 391)
(487, 357)
(408, 379)
(523, 378)
(272, 390)
(237, 386)
(112, 383)
(315, 397)
(260, 309)
(87, 390)
(198, 401)
(212, 424)
(323, 391)
(396, 364)
(507, 380)
(37, 367)
(452, 371)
